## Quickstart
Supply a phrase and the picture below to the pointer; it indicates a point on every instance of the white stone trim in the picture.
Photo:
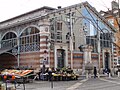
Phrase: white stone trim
(103, 57)
(64, 47)
(43, 45)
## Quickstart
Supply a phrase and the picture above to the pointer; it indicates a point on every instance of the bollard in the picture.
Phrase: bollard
(23, 83)
(87, 75)
(118, 74)
(51, 82)
(90, 75)
(109, 75)
(6, 85)
(98, 75)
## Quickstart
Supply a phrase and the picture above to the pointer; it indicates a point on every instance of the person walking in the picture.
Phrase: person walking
(95, 72)
(50, 74)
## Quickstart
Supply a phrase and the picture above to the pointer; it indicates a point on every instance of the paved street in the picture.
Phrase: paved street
(100, 84)
(46, 85)
(81, 84)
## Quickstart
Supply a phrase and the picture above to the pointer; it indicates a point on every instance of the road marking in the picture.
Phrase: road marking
(109, 81)
(76, 85)
(84, 80)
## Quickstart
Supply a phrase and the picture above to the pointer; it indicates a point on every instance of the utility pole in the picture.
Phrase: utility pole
(98, 42)
(71, 40)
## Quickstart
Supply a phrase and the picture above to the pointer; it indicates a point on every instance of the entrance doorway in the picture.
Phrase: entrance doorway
(107, 60)
(8, 60)
(60, 58)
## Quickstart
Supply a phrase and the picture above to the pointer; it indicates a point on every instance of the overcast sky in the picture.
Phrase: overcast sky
(12, 8)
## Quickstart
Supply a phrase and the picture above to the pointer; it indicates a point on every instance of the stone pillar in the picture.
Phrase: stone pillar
(109, 75)
(44, 36)
(86, 56)
(87, 53)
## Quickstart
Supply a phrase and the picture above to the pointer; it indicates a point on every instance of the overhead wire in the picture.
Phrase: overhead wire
(87, 19)
(104, 4)
(98, 3)
(94, 20)
(98, 25)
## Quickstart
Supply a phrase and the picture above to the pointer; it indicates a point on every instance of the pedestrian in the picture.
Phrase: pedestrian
(39, 74)
(95, 72)
(109, 72)
(50, 74)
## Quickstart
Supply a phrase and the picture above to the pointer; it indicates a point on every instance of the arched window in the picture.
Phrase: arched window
(30, 40)
(9, 40)
(9, 35)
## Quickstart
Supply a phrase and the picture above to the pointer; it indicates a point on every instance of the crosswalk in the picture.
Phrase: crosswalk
(111, 81)
(73, 87)
(97, 84)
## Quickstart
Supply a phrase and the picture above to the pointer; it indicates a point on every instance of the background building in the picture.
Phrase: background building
(113, 17)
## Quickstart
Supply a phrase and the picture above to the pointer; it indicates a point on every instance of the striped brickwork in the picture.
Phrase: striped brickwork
(77, 60)
(43, 48)
(30, 59)
(33, 59)
(51, 59)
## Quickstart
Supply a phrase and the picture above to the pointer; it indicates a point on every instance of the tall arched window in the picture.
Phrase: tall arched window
(9, 40)
(30, 40)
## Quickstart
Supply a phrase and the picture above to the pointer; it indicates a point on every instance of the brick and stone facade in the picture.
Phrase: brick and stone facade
(53, 36)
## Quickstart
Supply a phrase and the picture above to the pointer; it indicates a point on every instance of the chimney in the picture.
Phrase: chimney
(59, 7)
(114, 5)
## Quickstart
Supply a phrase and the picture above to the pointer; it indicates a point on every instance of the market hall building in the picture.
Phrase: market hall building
(72, 36)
